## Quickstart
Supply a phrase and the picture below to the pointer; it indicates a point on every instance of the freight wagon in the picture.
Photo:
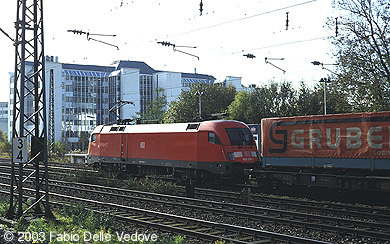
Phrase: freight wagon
(345, 151)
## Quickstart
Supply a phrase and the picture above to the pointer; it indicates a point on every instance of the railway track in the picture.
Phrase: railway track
(369, 213)
(196, 228)
(340, 219)
(55, 170)
(53, 165)
(249, 216)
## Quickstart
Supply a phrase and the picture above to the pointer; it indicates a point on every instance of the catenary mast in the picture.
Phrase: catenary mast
(29, 114)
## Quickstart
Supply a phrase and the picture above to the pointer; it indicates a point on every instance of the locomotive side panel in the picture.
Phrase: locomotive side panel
(110, 145)
(163, 146)
(94, 145)
(203, 150)
(210, 148)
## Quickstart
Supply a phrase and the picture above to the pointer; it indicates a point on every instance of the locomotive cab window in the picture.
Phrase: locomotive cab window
(240, 136)
(93, 138)
(213, 138)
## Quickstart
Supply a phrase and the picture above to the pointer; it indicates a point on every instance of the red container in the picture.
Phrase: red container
(358, 135)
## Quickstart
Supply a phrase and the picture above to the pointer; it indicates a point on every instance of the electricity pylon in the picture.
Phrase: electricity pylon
(29, 114)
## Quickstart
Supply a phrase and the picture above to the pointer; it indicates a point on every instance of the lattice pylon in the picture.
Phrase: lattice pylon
(29, 113)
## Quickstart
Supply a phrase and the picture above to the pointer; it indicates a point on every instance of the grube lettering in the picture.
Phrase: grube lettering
(361, 135)
(371, 138)
(329, 140)
(353, 138)
(315, 136)
(297, 141)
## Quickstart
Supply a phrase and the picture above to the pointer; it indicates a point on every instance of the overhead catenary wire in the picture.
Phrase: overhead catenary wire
(6, 34)
(80, 32)
(268, 62)
(175, 48)
(241, 19)
(278, 45)
(282, 16)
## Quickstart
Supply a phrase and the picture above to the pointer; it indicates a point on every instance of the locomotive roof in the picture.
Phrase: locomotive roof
(158, 128)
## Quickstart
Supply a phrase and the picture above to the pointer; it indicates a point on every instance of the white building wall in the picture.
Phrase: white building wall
(235, 81)
(27, 107)
(4, 116)
(130, 92)
(58, 97)
(171, 83)
(10, 107)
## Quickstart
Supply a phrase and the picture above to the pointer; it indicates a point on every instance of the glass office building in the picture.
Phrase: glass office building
(85, 95)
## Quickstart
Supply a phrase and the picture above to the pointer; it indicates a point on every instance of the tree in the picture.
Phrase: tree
(336, 99)
(363, 53)
(282, 100)
(3, 136)
(215, 99)
(272, 100)
(155, 110)
(308, 101)
(83, 141)
(5, 145)
(239, 108)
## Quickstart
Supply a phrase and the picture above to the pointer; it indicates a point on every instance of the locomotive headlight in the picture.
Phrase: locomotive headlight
(231, 156)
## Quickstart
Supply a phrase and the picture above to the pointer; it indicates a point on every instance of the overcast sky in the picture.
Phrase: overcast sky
(226, 31)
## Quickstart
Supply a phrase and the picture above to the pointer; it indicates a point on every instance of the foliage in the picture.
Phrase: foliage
(215, 99)
(221, 242)
(151, 185)
(75, 220)
(139, 184)
(363, 53)
(3, 136)
(283, 100)
(155, 110)
(5, 145)
(309, 101)
(83, 141)
(87, 219)
(240, 108)
(272, 100)
(4, 205)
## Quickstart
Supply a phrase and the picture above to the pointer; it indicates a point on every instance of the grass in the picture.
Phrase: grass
(136, 183)
(78, 225)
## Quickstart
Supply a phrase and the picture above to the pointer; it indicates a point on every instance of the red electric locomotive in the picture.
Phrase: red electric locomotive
(209, 150)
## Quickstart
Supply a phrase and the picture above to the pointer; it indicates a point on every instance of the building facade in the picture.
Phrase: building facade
(85, 96)
(4, 116)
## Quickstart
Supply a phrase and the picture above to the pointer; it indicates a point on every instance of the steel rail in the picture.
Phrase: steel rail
(191, 226)
(375, 213)
(356, 227)
(255, 213)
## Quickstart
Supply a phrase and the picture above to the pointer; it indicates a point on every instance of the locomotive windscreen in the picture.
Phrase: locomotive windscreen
(239, 136)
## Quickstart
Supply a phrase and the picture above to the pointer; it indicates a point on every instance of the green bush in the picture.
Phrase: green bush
(87, 218)
(151, 185)
(4, 205)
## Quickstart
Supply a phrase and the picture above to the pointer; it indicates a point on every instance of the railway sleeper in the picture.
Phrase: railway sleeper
(245, 238)
(202, 229)
(191, 227)
(262, 241)
(216, 232)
